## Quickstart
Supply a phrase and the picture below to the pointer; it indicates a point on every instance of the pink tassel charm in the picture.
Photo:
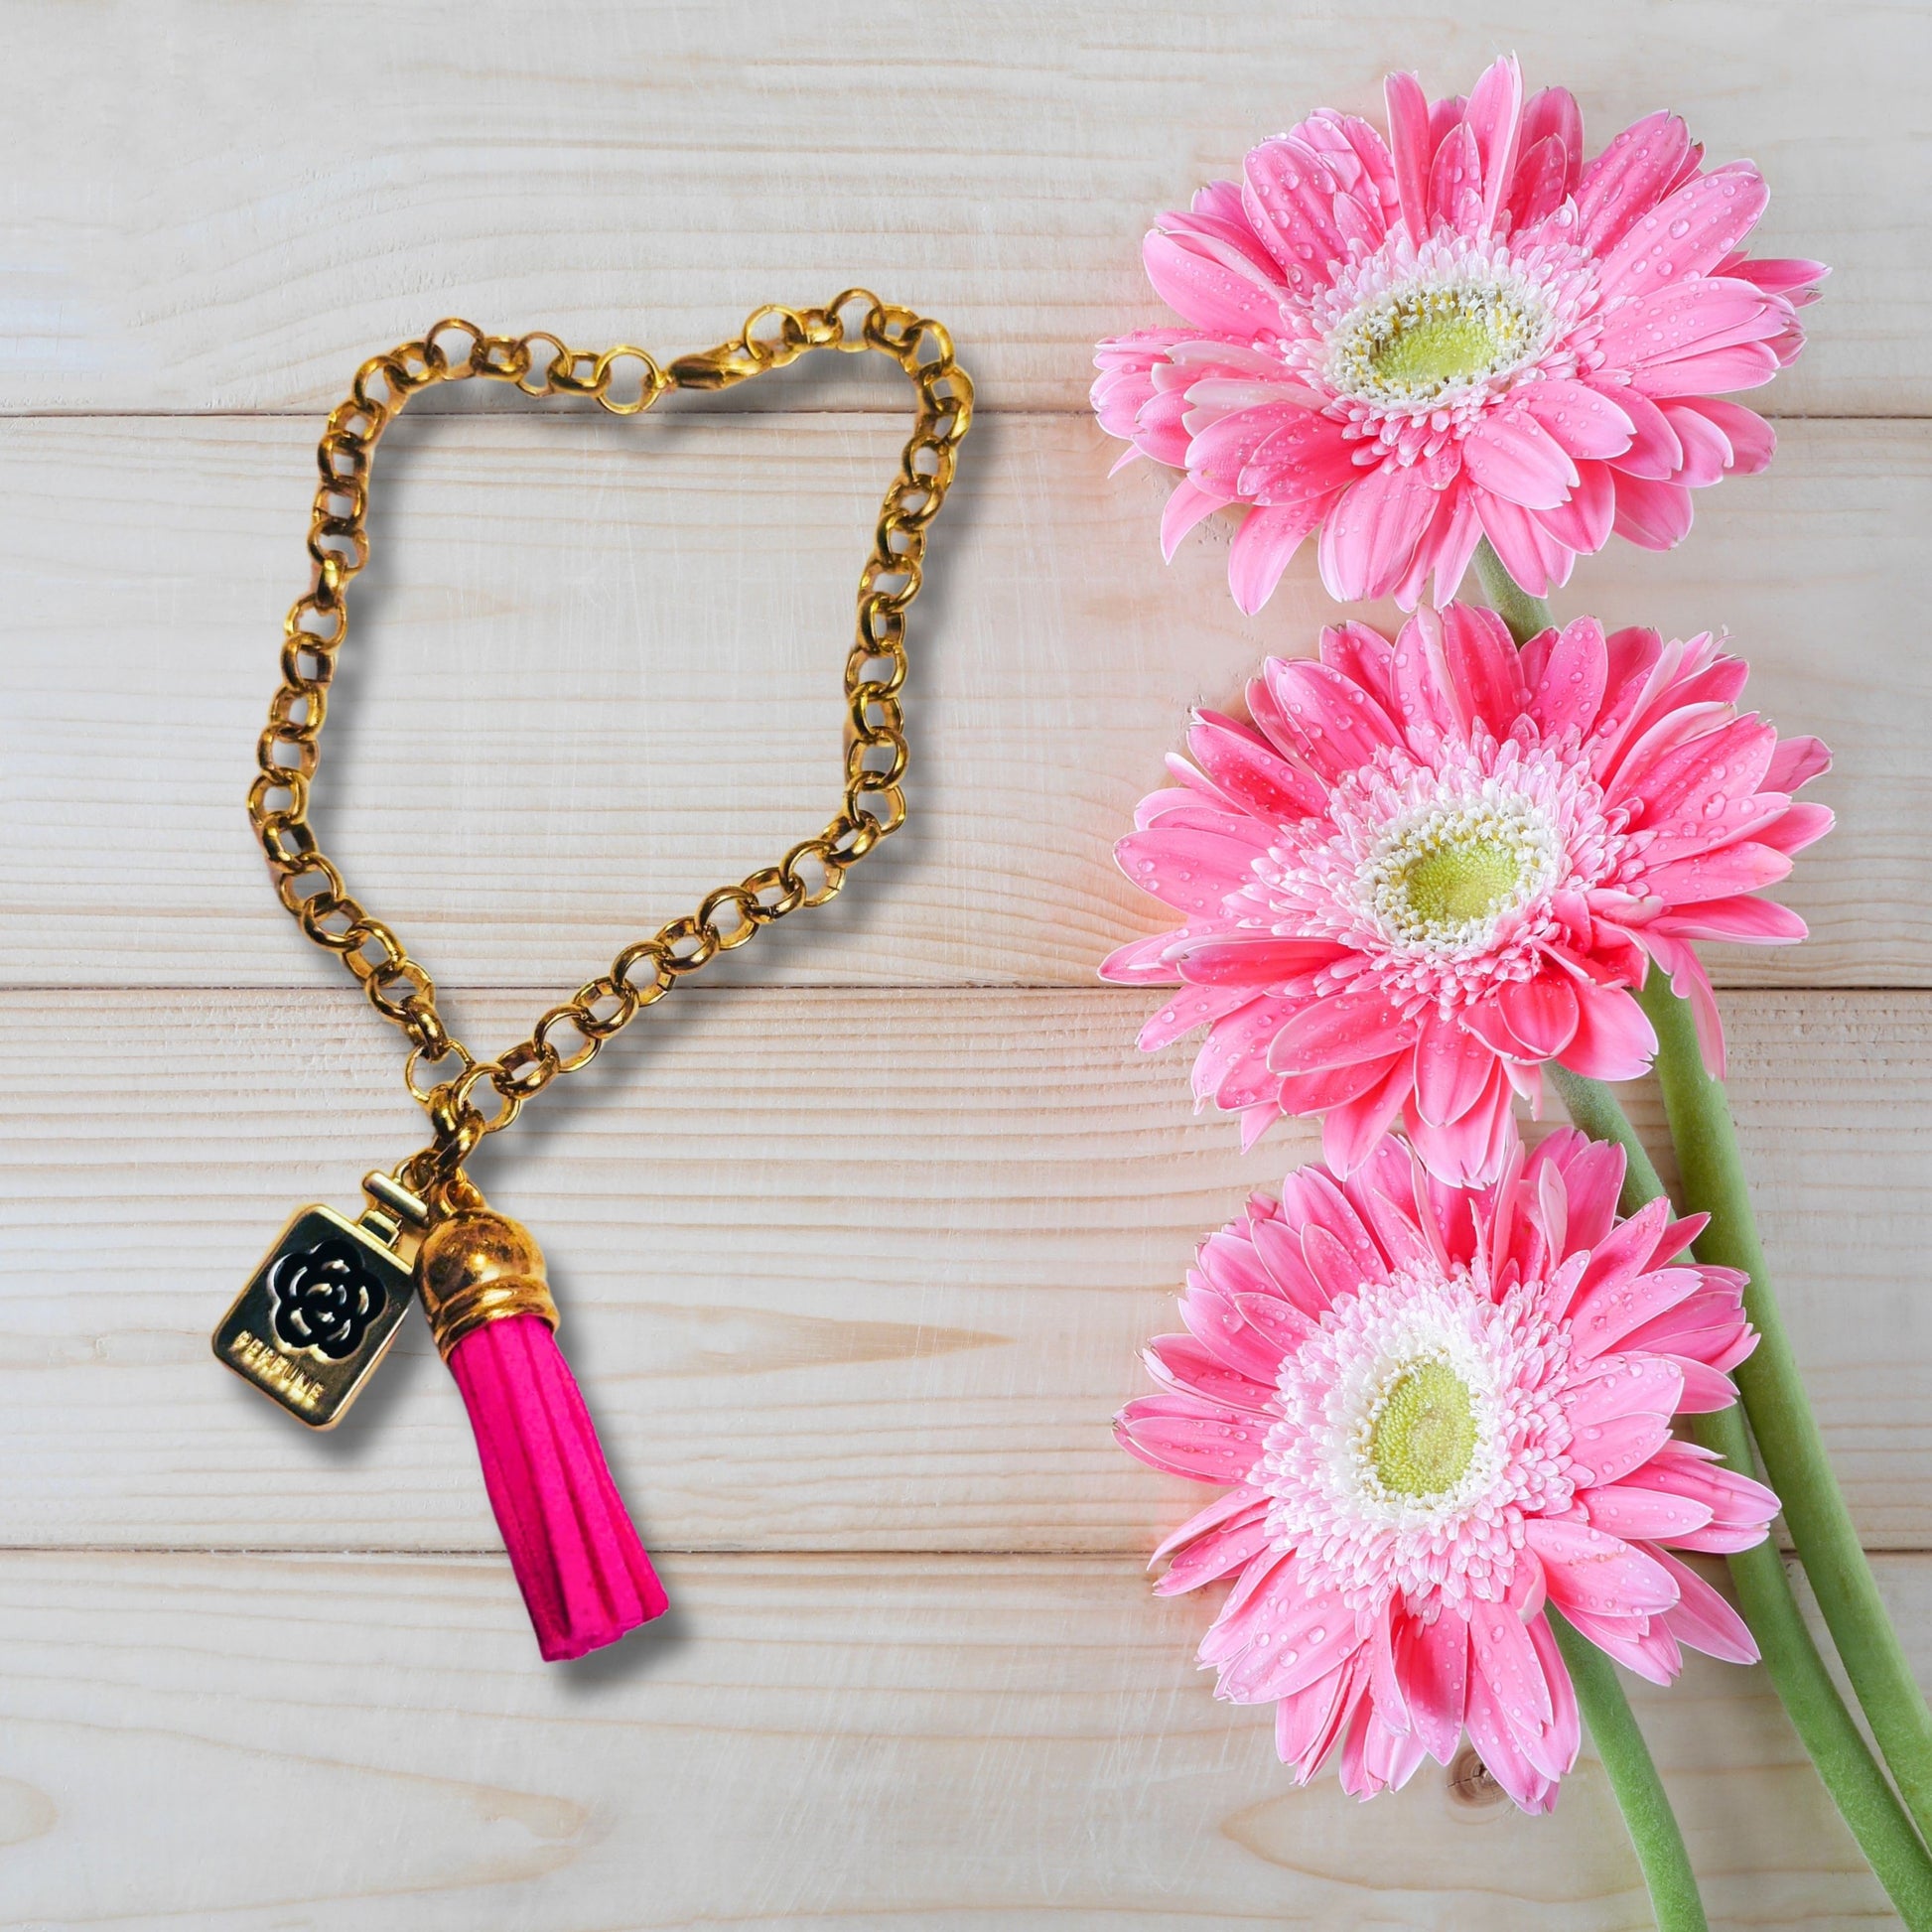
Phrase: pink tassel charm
(583, 1571)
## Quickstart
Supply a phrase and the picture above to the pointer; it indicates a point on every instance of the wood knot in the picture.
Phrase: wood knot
(1469, 1783)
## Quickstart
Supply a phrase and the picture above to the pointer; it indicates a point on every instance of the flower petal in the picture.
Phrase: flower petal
(1187, 506)
(1251, 959)
(1741, 868)
(1339, 1030)
(1749, 437)
(1623, 1385)
(1706, 450)
(1453, 1069)
(1334, 724)
(1565, 678)
(1557, 1749)
(1802, 825)
(1351, 1132)
(1744, 921)
(1581, 420)
(1652, 515)
(1368, 536)
(1193, 1007)
(1689, 234)
(1584, 520)
(1511, 454)
(1542, 1013)
(1279, 1247)
(1636, 1513)
(1212, 1317)
(1206, 292)
(1599, 1574)
(1710, 373)
(1410, 149)
(1502, 1654)
(1602, 1451)
(1288, 193)
(1642, 1644)
(1456, 180)
(1468, 1151)
(1535, 558)
(1194, 872)
(1231, 1068)
(1188, 1436)
(1140, 962)
(1484, 666)
(1222, 1510)
(1613, 1039)
(1254, 775)
(1262, 549)
(1219, 1554)
(1628, 179)
(1183, 1366)
(1308, 1723)
(1795, 762)
(1704, 1620)
(1502, 1756)
(1495, 113)
(1613, 1304)
(1433, 1662)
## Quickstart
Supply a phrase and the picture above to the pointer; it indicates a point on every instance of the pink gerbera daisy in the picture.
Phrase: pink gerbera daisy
(1463, 332)
(1441, 1408)
(1429, 867)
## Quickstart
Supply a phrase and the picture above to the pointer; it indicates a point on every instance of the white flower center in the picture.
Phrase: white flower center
(1418, 1425)
(1412, 344)
(1416, 345)
(1411, 1427)
(1439, 877)
(1445, 878)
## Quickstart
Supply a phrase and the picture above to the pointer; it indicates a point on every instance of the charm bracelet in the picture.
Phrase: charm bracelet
(317, 1317)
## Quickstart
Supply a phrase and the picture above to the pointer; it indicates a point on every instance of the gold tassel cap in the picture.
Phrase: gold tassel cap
(477, 1267)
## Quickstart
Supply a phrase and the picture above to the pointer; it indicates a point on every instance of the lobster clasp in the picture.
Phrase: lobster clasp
(716, 368)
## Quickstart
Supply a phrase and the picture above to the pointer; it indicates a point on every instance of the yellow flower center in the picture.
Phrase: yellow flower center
(1410, 347)
(1424, 1435)
(1461, 883)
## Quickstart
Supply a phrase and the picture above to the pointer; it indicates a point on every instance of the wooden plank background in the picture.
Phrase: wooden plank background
(857, 1238)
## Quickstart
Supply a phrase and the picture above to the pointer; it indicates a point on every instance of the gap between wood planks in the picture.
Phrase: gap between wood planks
(860, 989)
(725, 405)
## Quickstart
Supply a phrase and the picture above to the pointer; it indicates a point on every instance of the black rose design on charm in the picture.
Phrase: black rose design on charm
(324, 1298)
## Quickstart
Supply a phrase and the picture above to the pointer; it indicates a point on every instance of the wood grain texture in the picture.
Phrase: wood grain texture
(838, 1272)
(596, 674)
(963, 1744)
(212, 207)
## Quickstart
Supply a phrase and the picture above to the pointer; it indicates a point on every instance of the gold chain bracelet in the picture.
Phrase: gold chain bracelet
(482, 1096)
(310, 887)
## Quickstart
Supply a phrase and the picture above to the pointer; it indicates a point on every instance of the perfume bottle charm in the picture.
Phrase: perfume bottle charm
(320, 1312)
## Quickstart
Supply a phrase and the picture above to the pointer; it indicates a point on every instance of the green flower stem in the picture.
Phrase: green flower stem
(1640, 1793)
(1817, 1713)
(1780, 1413)
(1525, 615)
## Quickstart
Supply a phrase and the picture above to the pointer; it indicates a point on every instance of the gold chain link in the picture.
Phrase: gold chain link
(625, 381)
